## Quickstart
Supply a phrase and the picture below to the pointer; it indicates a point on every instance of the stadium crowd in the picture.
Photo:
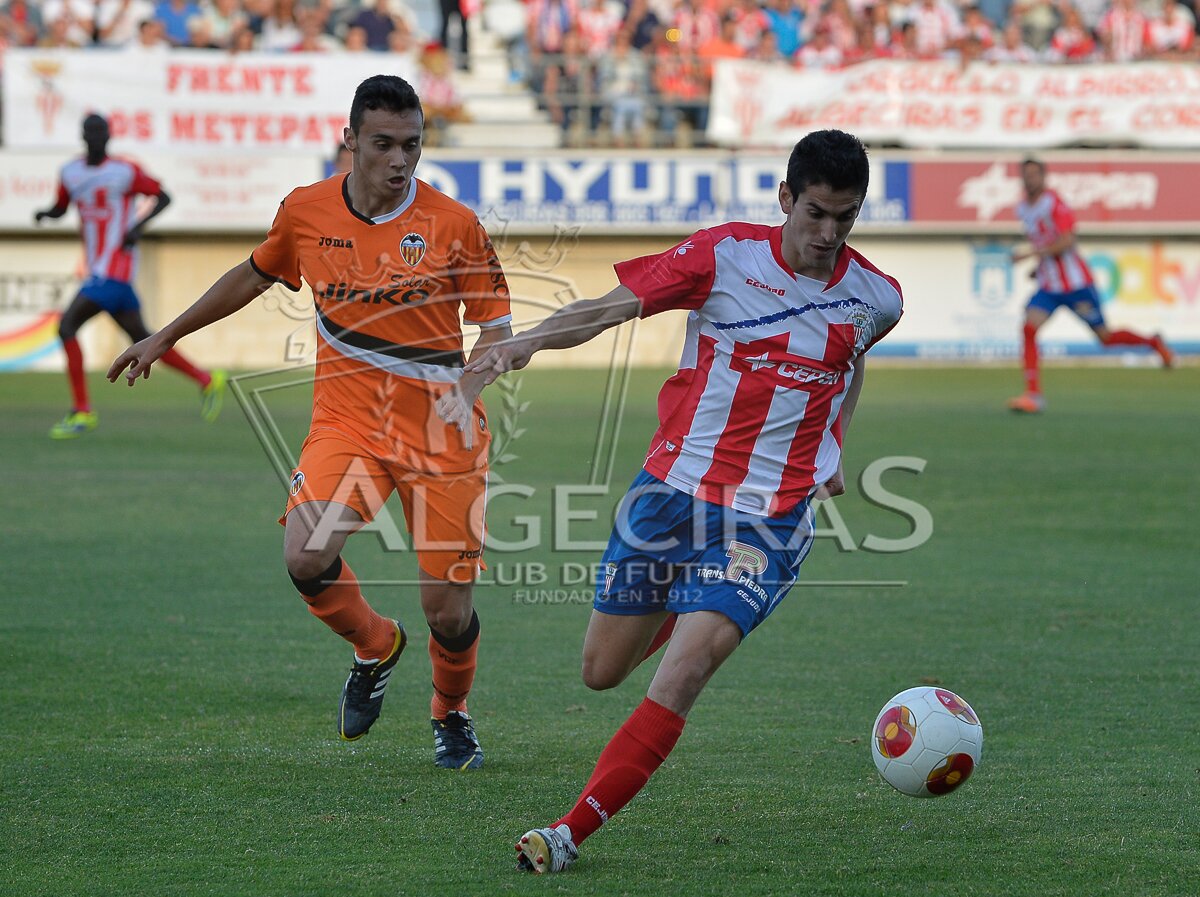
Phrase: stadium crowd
(623, 63)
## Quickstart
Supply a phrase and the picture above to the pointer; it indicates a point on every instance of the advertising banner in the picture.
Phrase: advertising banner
(965, 299)
(187, 100)
(942, 104)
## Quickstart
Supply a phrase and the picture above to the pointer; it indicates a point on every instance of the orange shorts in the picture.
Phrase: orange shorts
(443, 511)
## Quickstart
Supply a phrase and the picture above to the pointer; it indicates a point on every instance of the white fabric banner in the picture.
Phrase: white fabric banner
(187, 100)
(943, 104)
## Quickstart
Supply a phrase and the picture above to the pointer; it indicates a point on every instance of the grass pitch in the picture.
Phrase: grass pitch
(167, 705)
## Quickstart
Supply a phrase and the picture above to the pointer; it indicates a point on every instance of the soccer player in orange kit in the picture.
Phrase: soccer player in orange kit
(391, 262)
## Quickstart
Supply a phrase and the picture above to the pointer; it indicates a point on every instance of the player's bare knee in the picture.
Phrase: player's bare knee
(448, 621)
(303, 564)
(599, 675)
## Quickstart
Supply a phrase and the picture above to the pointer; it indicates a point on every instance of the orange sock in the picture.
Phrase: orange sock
(453, 668)
(334, 598)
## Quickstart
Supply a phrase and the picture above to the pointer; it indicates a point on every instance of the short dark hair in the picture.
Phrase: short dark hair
(1031, 160)
(833, 158)
(383, 92)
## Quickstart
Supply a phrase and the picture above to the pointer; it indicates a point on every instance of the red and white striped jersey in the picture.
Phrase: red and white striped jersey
(752, 419)
(104, 195)
(1045, 221)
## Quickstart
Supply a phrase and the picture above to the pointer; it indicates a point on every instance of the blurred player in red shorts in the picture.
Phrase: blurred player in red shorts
(103, 189)
(392, 264)
(1064, 280)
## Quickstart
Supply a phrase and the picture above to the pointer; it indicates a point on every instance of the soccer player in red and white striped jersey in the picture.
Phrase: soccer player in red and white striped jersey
(711, 535)
(104, 190)
(1063, 280)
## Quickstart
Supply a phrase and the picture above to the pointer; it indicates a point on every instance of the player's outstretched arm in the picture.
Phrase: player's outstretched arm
(235, 289)
(572, 325)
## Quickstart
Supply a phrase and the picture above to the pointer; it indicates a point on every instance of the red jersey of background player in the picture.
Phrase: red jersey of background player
(1045, 220)
(105, 196)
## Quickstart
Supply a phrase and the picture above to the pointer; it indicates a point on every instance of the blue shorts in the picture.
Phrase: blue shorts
(113, 296)
(1084, 302)
(670, 551)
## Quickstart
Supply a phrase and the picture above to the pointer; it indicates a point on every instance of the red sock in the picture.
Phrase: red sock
(660, 637)
(1032, 384)
(625, 765)
(453, 668)
(79, 393)
(335, 599)
(1128, 338)
(185, 367)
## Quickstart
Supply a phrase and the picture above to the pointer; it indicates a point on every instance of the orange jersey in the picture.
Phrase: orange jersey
(391, 296)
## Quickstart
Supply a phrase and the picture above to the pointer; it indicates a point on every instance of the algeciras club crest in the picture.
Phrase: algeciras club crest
(412, 249)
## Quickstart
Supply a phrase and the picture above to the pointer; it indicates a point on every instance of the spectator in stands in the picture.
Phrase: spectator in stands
(681, 90)
(996, 11)
(221, 19)
(550, 21)
(838, 20)
(402, 39)
(508, 20)
(978, 26)
(879, 21)
(57, 35)
(280, 30)
(174, 15)
(378, 23)
(625, 79)
(20, 23)
(1037, 20)
(820, 52)
(695, 25)
(356, 39)
(454, 14)
(569, 81)
(642, 23)
(1171, 33)
(786, 21)
(768, 49)
(68, 23)
(243, 40)
(752, 23)
(904, 42)
(938, 27)
(117, 21)
(151, 39)
(598, 24)
(1122, 32)
(440, 100)
(1012, 47)
(722, 46)
(1072, 42)
(313, 39)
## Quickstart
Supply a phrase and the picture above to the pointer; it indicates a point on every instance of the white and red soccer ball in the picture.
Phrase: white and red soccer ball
(926, 741)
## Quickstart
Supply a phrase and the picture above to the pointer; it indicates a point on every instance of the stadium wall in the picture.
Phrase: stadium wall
(942, 225)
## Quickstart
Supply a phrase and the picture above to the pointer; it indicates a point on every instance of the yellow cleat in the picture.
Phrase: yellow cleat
(74, 425)
(212, 397)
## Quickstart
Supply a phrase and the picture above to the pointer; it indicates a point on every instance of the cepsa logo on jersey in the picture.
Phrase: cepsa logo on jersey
(401, 291)
(758, 284)
(793, 373)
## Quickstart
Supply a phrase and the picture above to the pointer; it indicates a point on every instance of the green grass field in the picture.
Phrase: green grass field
(167, 704)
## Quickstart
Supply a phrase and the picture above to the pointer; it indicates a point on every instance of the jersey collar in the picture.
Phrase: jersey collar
(387, 216)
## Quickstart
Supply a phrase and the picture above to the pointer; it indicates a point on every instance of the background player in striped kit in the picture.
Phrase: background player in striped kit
(104, 189)
(1063, 279)
(750, 432)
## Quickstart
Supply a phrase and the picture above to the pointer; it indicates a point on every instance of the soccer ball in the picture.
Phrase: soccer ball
(926, 741)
